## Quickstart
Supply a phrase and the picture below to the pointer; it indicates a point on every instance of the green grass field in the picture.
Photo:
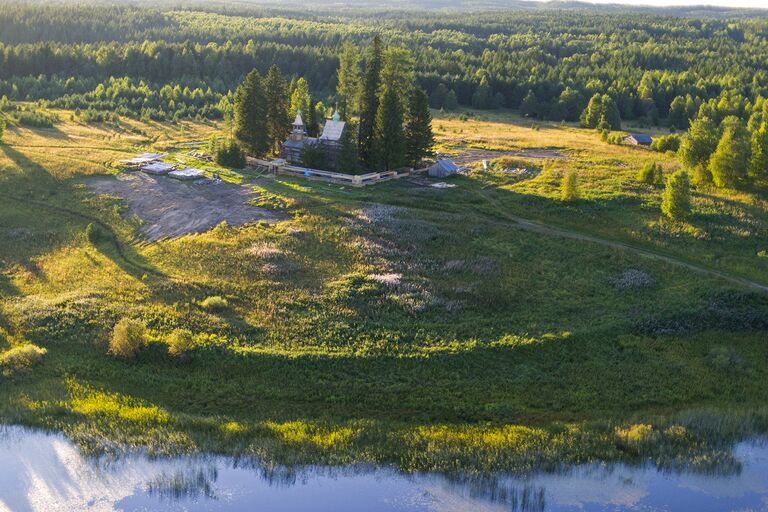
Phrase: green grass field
(397, 323)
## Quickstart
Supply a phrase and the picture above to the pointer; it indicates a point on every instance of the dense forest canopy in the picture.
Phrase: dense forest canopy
(548, 62)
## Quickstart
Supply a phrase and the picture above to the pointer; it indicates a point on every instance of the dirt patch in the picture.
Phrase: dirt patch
(170, 208)
(468, 156)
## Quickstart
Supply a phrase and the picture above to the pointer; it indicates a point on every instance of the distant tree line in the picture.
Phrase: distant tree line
(547, 63)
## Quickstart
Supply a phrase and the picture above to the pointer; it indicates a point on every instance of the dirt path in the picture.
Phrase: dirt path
(547, 229)
(112, 237)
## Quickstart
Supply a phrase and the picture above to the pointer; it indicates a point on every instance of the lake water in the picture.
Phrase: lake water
(45, 472)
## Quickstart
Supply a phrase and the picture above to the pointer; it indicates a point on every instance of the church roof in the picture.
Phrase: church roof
(299, 121)
(333, 130)
(299, 144)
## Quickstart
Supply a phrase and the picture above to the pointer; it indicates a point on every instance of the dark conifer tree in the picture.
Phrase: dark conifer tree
(389, 136)
(250, 115)
(418, 128)
(348, 157)
(278, 122)
(369, 104)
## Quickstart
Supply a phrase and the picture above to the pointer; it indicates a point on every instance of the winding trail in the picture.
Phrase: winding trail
(548, 229)
(113, 239)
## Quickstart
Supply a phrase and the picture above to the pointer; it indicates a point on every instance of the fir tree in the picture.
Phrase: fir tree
(758, 161)
(313, 156)
(348, 161)
(676, 199)
(418, 128)
(398, 71)
(369, 103)
(729, 162)
(250, 115)
(278, 119)
(389, 137)
(348, 88)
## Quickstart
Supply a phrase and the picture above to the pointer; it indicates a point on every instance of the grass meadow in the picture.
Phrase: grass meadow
(394, 324)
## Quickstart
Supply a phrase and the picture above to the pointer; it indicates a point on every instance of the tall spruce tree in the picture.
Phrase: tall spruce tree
(348, 161)
(369, 102)
(348, 88)
(389, 136)
(758, 161)
(398, 71)
(250, 109)
(418, 128)
(278, 120)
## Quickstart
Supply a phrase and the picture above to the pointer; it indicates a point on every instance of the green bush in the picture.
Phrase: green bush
(180, 342)
(127, 339)
(725, 358)
(214, 303)
(666, 143)
(35, 118)
(229, 153)
(651, 174)
(676, 200)
(21, 357)
(569, 188)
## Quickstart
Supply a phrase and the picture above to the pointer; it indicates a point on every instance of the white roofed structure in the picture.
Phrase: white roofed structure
(158, 168)
(188, 174)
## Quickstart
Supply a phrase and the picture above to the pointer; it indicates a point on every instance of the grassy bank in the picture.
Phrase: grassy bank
(399, 323)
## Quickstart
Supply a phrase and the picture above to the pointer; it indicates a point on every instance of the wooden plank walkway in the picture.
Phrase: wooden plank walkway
(353, 180)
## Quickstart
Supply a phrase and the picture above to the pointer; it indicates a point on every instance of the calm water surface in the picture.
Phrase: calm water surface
(45, 472)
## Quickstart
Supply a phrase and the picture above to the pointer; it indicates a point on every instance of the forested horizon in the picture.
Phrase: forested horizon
(546, 62)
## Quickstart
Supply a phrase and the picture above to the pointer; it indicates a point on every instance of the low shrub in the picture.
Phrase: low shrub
(651, 174)
(724, 358)
(180, 342)
(127, 339)
(214, 303)
(35, 118)
(227, 152)
(21, 357)
(666, 143)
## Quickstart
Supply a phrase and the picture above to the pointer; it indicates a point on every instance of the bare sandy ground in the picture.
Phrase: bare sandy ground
(169, 208)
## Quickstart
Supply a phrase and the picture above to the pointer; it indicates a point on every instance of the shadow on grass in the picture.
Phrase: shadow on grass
(37, 191)
(444, 413)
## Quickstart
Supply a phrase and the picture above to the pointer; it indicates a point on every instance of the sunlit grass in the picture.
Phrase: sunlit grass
(397, 324)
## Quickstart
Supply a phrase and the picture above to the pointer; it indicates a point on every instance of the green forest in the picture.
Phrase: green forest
(164, 63)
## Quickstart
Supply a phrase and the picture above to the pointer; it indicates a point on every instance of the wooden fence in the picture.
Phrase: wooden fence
(353, 180)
